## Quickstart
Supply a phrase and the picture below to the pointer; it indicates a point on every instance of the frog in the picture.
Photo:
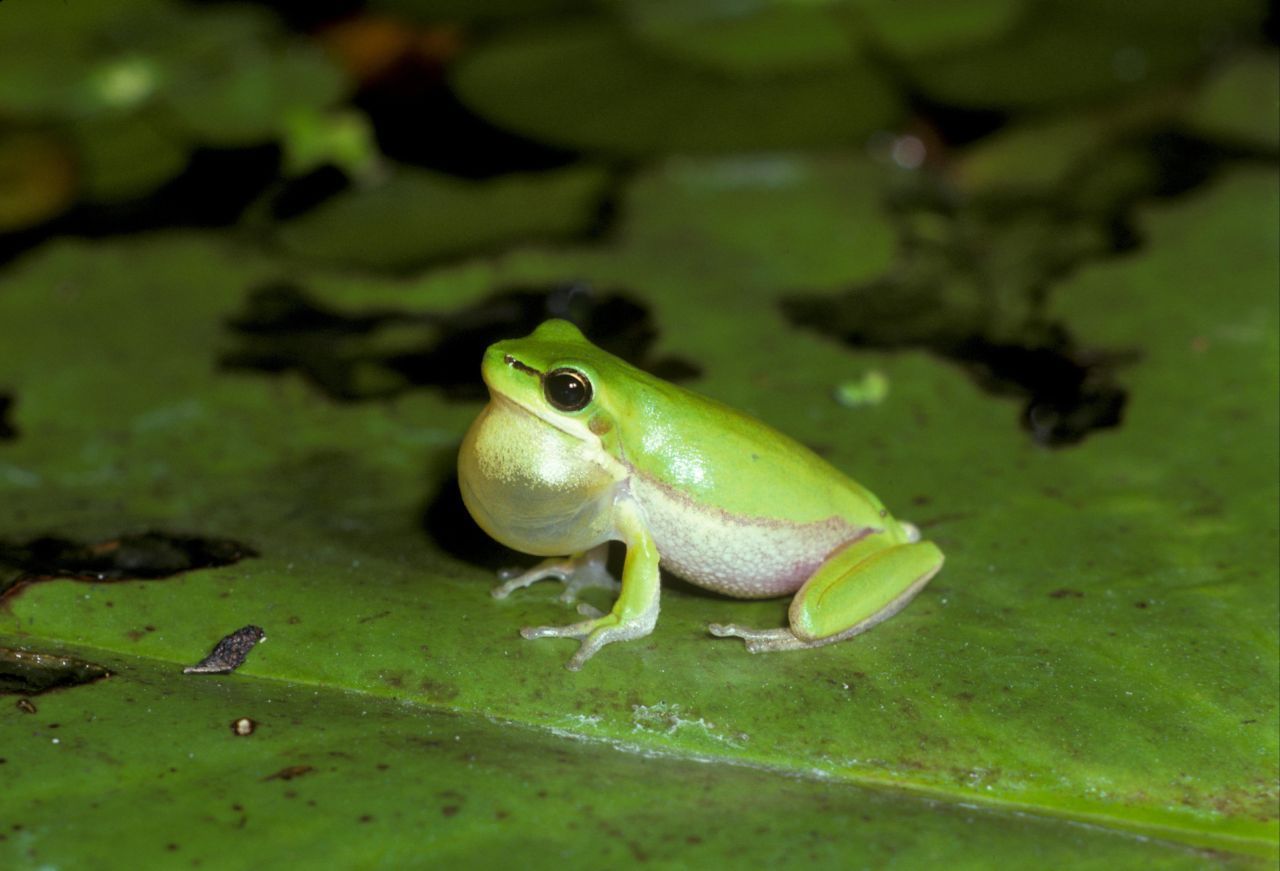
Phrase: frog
(578, 448)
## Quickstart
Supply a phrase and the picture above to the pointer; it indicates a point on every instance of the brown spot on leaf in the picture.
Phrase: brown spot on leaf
(290, 772)
(1065, 592)
(438, 691)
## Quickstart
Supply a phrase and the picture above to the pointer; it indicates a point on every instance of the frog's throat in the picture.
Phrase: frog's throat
(570, 427)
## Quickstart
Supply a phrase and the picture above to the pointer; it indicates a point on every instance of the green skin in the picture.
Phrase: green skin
(684, 482)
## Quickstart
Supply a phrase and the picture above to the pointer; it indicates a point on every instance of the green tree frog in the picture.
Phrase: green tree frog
(577, 448)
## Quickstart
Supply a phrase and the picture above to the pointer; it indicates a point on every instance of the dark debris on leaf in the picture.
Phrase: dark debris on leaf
(347, 356)
(7, 429)
(958, 292)
(398, 101)
(214, 189)
(144, 556)
(229, 653)
(1069, 392)
(26, 673)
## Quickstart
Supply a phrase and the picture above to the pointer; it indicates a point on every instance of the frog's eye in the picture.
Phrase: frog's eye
(567, 389)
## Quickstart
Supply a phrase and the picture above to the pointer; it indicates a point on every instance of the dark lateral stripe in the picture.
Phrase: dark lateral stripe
(516, 364)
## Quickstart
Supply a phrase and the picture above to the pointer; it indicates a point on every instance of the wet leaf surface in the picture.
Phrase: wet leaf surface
(1142, 701)
(900, 238)
(324, 775)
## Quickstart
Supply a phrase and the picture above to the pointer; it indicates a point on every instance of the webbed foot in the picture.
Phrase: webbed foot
(578, 572)
(596, 632)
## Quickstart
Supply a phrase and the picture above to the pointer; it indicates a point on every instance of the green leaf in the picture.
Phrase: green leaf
(743, 39)
(1100, 647)
(413, 216)
(915, 28)
(634, 102)
(122, 157)
(1240, 104)
(331, 778)
(228, 75)
(1066, 51)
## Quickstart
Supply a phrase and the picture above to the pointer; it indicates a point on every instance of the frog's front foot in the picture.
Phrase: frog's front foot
(578, 572)
(596, 632)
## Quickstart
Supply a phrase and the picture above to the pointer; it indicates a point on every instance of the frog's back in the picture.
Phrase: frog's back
(719, 457)
(733, 504)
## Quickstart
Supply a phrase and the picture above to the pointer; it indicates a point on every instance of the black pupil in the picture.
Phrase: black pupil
(568, 391)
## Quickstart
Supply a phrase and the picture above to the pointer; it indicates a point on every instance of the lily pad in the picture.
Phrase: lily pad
(37, 178)
(127, 156)
(1074, 52)
(636, 102)
(227, 75)
(770, 37)
(413, 216)
(1240, 104)
(914, 28)
(1099, 648)
(327, 777)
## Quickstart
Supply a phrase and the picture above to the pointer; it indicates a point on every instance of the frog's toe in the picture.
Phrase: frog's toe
(515, 580)
(759, 640)
(608, 631)
(572, 630)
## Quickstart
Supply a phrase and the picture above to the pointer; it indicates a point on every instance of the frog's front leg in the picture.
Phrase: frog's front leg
(636, 610)
(857, 587)
(578, 571)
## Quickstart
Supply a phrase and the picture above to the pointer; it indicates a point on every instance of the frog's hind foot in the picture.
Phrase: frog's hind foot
(765, 640)
(579, 572)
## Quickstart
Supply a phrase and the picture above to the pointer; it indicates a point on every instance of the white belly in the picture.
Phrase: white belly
(745, 557)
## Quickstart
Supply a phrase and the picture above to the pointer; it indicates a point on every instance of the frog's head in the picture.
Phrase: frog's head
(557, 375)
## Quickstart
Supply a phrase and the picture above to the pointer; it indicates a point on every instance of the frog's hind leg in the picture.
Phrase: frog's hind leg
(856, 588)
(578, 571)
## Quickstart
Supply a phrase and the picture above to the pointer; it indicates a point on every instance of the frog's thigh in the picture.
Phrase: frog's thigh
(860, 586)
